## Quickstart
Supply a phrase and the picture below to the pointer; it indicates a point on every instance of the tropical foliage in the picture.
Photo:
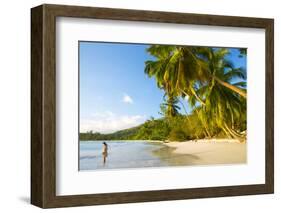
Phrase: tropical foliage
(214, 87)
(215, 91)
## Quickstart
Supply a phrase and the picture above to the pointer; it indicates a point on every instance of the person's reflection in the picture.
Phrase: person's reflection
(104, 152)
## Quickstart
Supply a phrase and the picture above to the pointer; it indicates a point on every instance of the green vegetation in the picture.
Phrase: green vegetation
(153, 129)
(213, 87)
(119, 135)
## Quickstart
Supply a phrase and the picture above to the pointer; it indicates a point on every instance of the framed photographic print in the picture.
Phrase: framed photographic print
(136, 106)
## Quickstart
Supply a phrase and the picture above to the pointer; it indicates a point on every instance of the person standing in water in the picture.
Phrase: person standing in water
(104, 151)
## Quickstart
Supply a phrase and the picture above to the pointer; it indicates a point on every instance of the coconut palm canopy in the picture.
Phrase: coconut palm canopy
(215, 88)
(162, 92)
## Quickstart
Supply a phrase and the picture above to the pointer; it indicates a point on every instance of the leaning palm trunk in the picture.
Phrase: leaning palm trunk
(233, 133)
(195, 95)
(231, 87)
(226, 132)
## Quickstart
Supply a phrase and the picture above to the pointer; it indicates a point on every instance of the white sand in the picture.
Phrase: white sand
(212, 151)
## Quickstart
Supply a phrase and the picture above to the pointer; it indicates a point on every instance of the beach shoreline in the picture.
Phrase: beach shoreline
(148, 153)
(120, 141)
(212, 151)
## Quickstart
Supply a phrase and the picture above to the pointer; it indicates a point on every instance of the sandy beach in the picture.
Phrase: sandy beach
(212, 151)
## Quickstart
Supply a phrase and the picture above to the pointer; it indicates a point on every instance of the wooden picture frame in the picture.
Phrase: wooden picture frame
(43, 105)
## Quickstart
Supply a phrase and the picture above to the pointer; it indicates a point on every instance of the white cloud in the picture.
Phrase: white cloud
(127, 99)
(102, 115)
(108, 122)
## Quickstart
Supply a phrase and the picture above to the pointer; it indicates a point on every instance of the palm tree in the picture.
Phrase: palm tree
(169, 107)
(176, 69)
(217, 64)
(224, 108)
(205, 76)
(180, 69)
(197, 109)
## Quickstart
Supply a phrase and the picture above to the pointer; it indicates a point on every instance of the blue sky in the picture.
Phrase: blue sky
(115, 93)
